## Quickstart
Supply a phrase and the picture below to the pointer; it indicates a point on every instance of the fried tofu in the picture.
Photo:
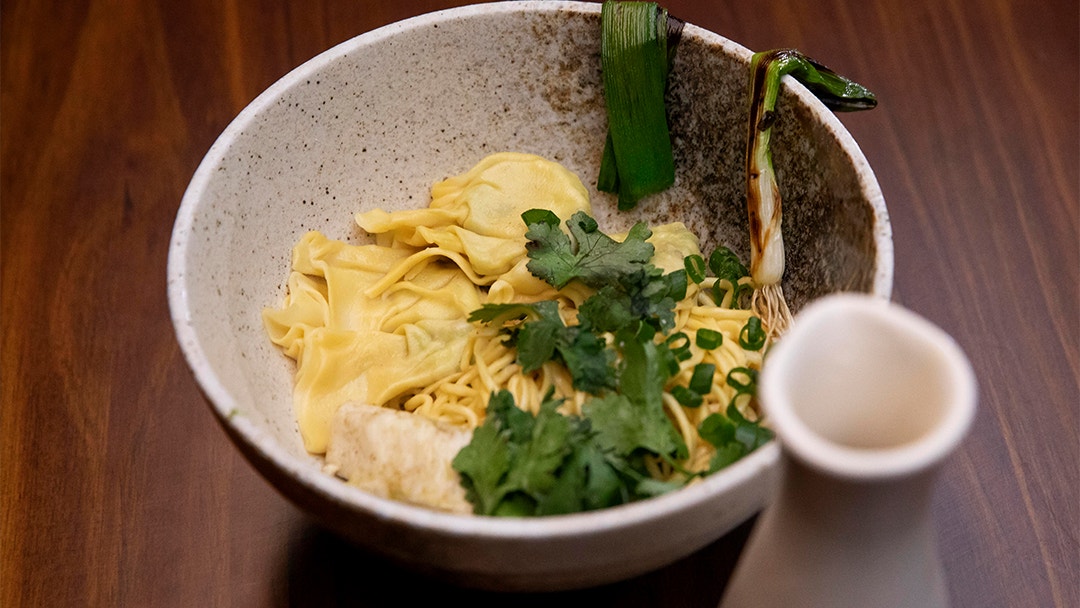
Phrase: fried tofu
(398, 455)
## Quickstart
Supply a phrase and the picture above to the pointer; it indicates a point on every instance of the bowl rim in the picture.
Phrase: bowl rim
(307, 471)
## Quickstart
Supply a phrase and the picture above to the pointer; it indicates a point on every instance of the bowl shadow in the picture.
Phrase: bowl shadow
(326, 570)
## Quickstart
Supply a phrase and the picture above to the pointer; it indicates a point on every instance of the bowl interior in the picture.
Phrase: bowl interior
(377, 120)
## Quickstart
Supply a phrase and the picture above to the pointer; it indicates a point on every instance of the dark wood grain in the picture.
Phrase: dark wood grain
(117, 487)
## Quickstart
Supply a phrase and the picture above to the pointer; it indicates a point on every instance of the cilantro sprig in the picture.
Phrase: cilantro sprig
(518, 464)
(585, 254)
(543, 337)
(628, 287)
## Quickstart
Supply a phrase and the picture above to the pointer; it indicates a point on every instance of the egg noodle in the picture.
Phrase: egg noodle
(386, 324)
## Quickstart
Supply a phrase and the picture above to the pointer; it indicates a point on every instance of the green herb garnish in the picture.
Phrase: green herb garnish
(752, 336)
(733, 436)
(679, 345)
(701, 380)
(695, 267)
(619, 352)
(708, 339)
(512, 460)
(725, 265)
(586, 254)
(544, 336)
(686, 397)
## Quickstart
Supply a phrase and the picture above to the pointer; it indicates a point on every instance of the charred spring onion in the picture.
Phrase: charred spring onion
(763, 203)
(637, 47)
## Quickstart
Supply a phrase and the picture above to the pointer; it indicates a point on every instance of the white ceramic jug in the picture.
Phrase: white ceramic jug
(867, 400)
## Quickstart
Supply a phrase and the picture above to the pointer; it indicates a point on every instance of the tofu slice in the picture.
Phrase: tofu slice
(398, 455)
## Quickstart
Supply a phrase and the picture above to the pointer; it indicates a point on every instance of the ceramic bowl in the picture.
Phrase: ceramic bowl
(374, 122)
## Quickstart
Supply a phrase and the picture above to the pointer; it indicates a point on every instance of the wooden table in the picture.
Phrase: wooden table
(118, 486)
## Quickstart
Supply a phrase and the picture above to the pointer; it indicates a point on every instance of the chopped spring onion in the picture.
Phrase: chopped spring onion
(637, 46)
(686, 397)
(753, 335)
(679, 344)
(747, 386)
(763, 193)
(701, 379)
(708, 339)
(695, 267)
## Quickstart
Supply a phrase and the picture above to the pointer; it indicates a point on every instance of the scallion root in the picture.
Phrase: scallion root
(769, 305)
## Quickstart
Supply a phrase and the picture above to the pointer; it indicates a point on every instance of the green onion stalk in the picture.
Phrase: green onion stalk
(637, 49)
(763, 201)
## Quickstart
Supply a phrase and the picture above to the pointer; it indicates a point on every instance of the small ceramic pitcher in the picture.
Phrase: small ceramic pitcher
(867, 400)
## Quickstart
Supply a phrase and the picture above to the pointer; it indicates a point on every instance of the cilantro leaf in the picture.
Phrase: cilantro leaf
(615, 419)
(634, 418)
(485, 461)
(517, 423)
(608, 310)
(604, 487)
(644, 294)
(545, 337)
(566, 494)
(646, 368)
(539, 456)
(589, 360)
(538, 339)
(490, 313)
(513, 457)
(586, 481)
(591, 256)
(518, 464)
(653, 295)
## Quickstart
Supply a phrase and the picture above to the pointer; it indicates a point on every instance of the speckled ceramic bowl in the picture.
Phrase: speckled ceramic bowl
(374, 122)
